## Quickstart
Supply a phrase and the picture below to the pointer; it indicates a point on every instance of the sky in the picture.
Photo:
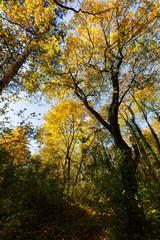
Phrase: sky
(30, 110)
(25, 109)
(16, 114)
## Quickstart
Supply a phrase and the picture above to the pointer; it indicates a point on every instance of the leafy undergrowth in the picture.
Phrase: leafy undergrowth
(67, 222)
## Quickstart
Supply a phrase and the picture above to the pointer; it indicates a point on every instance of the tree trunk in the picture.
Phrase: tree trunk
(142, 152)
(134, 229)
(134, 216)
(14, 68)
(149, 125)
(144, 140)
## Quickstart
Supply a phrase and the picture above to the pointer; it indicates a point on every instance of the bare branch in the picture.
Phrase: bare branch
(81, 10)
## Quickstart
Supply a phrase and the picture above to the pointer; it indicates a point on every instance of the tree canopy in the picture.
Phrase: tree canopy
(29, 29)
(99, 144)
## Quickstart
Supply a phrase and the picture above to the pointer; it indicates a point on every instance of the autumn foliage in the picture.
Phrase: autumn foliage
(96, 172)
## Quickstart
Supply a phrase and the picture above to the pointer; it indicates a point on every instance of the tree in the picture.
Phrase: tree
(140, 102)
(148, 157)
(111, 50)
(15, 154)
(28, 29)
(108, 56)
(60, 139)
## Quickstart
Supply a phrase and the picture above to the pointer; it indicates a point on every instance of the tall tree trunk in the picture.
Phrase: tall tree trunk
(135, 218)
(68, 160)
(14, 68)
(144, 140)
(149, 125)
(142, 151)
(128, 165)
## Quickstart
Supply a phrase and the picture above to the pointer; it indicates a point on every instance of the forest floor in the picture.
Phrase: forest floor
(68, 222)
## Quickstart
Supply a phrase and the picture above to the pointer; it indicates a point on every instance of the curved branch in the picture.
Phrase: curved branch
(81, 95)
(80, 10)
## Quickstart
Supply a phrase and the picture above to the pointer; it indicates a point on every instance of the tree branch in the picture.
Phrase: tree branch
(82, 11)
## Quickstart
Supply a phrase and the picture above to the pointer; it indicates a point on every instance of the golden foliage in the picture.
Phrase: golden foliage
(15, 144)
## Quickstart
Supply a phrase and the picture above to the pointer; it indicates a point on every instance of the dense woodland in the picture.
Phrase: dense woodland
(96, 174)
